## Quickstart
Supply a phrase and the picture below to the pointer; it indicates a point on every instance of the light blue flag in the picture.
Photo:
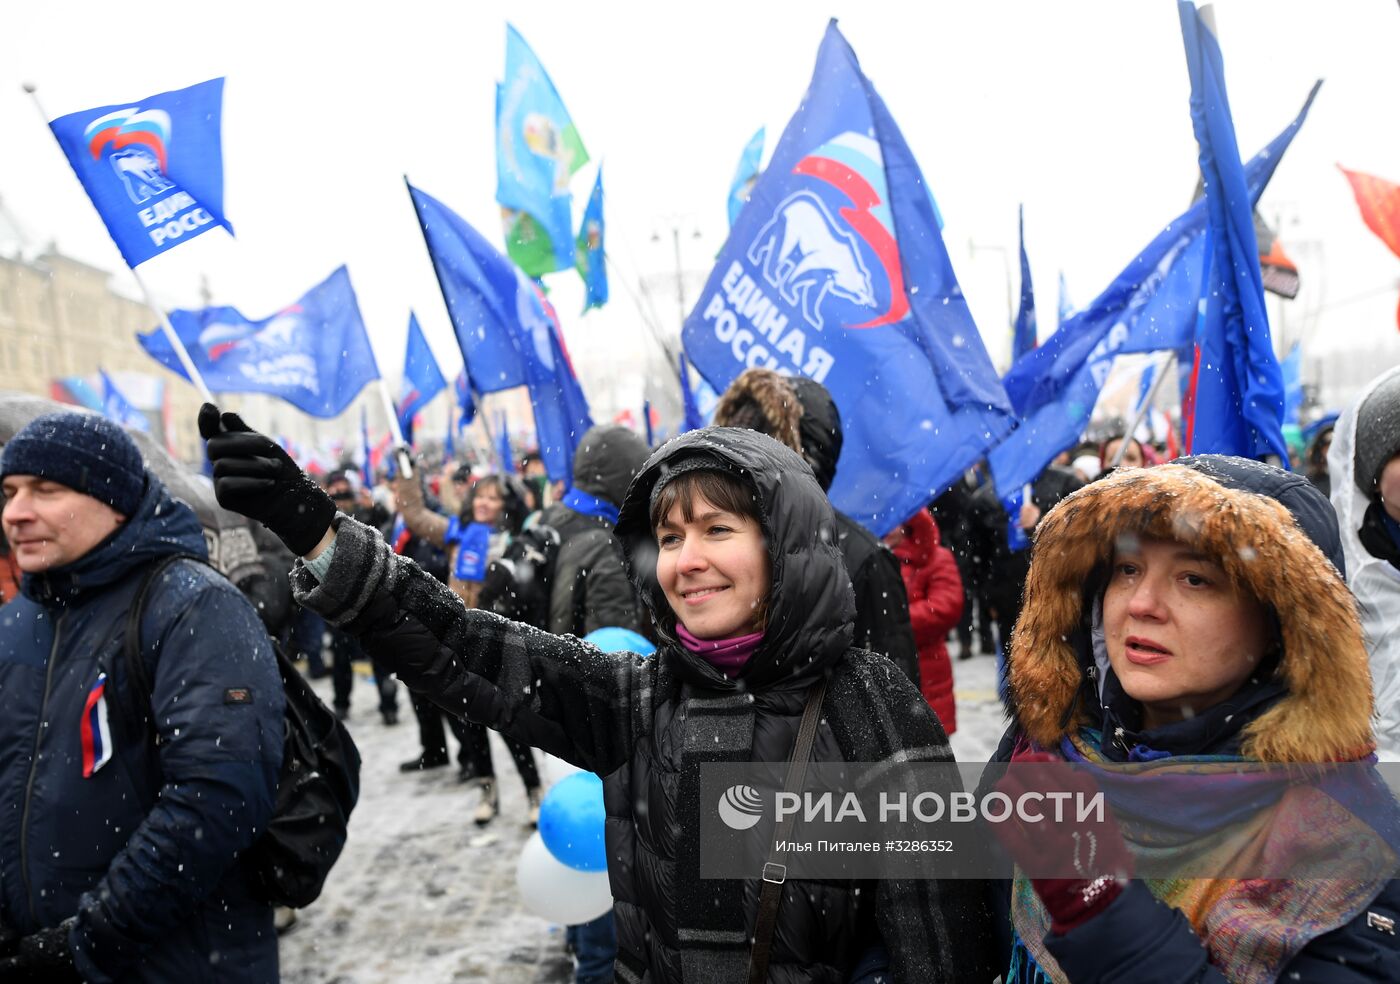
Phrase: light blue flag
(422, 379)
(115, 406)
(1023, 334)
(154, 169)
(1066, 305)
(745, 175)
(537, 150)
(592, 264)
(836, 270)
(1150, 306)
(1292, 370)
(1235, 401)
(314, 354)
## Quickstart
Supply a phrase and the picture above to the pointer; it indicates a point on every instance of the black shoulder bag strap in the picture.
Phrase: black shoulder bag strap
(774, 871)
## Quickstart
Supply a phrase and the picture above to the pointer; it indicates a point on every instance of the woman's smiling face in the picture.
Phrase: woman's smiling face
(713, 569)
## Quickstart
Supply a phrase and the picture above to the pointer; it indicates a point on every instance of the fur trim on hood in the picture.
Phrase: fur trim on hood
(1326, 715)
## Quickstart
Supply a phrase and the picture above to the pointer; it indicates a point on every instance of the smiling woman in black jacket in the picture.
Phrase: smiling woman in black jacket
(732, 546)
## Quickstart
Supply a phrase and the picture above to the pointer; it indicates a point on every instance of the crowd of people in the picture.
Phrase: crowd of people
(1182, 614)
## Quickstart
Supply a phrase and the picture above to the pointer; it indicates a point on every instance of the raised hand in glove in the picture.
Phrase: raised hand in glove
(1092, 852)
(255, 477)
(41, 957)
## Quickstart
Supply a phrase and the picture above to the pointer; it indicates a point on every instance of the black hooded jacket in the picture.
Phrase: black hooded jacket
(588, 576)
(647, 725)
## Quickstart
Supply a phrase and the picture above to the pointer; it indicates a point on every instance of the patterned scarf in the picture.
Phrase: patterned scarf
(1252, 928)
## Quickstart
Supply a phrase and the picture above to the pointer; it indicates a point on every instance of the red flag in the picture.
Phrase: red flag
(1379, 201)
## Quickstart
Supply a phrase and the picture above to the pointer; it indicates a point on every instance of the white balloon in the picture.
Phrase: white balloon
(553, 769)
(554, 891)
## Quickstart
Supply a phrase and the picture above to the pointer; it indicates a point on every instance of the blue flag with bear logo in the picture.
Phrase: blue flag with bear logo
(836, 269)
(154, 169)
(314, 354)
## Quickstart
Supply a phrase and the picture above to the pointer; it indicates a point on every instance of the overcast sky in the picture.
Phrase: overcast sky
(1077, 109)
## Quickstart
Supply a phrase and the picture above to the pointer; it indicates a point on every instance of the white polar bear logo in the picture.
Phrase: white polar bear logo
(804, 251)
(140, 174)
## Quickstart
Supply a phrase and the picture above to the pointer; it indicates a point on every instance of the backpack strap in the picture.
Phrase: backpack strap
(139, 684)
(774, 871)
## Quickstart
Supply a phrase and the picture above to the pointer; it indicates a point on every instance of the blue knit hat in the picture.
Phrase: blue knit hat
(84, 451)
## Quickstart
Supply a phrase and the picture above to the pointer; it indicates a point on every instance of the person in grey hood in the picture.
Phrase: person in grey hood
(590, 589)
(731, 544)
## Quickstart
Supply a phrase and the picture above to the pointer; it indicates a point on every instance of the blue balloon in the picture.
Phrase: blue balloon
(611, 639)
(571, 822)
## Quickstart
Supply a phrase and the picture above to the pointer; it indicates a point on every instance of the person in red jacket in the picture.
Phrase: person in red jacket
(935, 604)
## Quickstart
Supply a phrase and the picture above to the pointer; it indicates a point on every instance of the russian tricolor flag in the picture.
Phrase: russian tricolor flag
(97, 737)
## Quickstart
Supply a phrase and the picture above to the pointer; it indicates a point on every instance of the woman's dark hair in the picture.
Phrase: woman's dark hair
(718, 488)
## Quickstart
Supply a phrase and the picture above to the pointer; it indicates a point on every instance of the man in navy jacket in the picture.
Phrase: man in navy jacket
(119, 837)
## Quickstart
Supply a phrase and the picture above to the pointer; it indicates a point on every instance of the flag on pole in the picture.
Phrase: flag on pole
(314, 354)
(537, 150)
(154, 169)
(1235, 398)
(1150, 306)
(589, 249)
(465, 400)
(1023, 336)
(1066, 306)
(503, 449)
(691, 418)
(449, 440)
(367, 467)
(508, 331)
(115, 406)
(1379, 201)
(422, 379)
(836, 269)
(745, 175)
(647, 426)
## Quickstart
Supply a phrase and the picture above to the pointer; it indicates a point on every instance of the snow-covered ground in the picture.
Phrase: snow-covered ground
(423, 895)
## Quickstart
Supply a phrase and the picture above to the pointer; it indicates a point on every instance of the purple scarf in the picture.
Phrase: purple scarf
(726, 655)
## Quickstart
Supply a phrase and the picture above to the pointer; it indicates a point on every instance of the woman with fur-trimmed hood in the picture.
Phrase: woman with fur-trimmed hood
(1183, 618)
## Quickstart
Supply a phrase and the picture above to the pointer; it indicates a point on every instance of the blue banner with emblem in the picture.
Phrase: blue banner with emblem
(836, 269)
(153, 168)
(314, 354)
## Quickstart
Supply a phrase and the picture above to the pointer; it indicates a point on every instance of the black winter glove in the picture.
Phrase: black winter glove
(44, 958)
(255, 477)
